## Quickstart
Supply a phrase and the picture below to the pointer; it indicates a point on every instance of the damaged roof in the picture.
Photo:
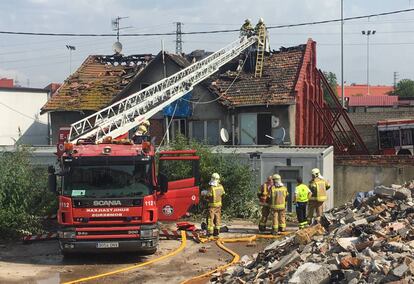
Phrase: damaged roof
(96, 82)
(275, 87)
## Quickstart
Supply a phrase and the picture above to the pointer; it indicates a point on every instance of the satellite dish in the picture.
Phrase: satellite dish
(224, 135)
(117, 47)
(280, 135)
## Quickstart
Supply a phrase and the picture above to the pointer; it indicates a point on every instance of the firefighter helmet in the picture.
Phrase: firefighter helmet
(215, 176)
(315, 172)
(277, 177)
(146, 123)
(261, 21)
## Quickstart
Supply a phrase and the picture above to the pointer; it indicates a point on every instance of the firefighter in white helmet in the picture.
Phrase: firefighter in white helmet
(246, 29)
(277, 203)
(214, 196)
(318, 186)
(260, 25)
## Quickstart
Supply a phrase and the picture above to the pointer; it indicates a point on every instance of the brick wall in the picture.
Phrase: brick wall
(362, 173)
(371, 118)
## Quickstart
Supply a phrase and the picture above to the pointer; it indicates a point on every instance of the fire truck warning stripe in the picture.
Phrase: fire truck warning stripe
(180, 248)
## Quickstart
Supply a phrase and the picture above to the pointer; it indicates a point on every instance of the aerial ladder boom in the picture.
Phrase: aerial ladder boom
(118, 118)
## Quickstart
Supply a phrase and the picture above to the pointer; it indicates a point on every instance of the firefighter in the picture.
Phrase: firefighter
(302, 195)
(143, 128)
(277, 202)
(141, 131)
(260, 25)
(318, 186)
(214, 195)
(246, 29)
(263, 196)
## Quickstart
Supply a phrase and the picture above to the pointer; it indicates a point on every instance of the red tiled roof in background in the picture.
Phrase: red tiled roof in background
(53, 87)
(372, 101)
(355, 90)
(6, 83)
(275, 87)
(96, 82)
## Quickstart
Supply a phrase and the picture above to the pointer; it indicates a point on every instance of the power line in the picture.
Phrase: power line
(208, 32)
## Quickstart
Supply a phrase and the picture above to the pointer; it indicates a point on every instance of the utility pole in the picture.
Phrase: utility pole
(367, 33)
(342, 54)
(70, 48)
(178, 38)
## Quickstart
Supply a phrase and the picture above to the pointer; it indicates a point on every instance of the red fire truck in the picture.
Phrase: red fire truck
(396, 136)
(111, 192)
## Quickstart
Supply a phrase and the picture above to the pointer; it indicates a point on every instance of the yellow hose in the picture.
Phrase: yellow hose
(180, 248)
(220, 243)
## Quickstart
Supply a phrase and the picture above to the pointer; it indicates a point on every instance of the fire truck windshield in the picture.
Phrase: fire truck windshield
(108, 181)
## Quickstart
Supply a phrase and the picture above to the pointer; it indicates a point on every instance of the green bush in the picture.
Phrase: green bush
(236, 178)
(23, 195)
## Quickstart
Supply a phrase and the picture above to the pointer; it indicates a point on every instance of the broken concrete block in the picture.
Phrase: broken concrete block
(400, 270)
(348, 244)
(310, 273)
(352, 274)
(402, 193)
(286, 260)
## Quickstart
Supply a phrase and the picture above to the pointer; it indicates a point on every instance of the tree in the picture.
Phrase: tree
(23, 194)
(236, 177)
(405, 88)
(332, 80)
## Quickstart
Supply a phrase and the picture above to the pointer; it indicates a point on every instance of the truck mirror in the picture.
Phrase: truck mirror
(52, 179)
(163, 182)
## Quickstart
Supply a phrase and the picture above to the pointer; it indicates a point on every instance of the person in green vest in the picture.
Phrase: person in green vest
(302, 195)
(277, 204)
(214, 196)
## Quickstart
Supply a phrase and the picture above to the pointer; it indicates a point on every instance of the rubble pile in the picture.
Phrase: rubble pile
(370, 243)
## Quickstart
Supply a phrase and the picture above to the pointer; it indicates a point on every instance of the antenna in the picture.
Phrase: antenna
(117, 46)
(178, 38)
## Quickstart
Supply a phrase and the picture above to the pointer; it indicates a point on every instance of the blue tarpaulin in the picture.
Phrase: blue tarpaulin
(183, 107)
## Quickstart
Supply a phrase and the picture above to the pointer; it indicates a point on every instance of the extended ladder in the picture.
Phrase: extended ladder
(260, 51)
(129, 112)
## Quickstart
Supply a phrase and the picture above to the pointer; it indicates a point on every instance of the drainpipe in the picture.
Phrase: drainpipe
(232, 129)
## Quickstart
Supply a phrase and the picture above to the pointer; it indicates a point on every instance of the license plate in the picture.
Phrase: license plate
(107, 245)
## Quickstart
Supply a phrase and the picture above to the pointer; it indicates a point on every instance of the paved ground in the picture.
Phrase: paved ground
(42, 262)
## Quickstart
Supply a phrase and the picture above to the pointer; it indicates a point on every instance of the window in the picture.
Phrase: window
(177, 126)
(407, 137)
(206, 131)
(257, 129)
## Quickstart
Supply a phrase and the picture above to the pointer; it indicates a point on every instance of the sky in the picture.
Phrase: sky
(36, 61)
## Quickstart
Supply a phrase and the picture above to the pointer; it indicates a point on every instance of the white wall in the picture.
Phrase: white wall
(20, 109)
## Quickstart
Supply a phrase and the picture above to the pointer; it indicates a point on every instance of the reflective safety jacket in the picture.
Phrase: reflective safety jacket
(302, 193)
(278, 196)
(214, 195)
(264, 193)
(318, 187)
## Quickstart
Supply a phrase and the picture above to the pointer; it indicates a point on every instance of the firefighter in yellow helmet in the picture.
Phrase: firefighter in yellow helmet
(318, 186)
(141, 131)
(246, 29)
(214, 196)
(277, 203)
(302, 195)
(263, 195)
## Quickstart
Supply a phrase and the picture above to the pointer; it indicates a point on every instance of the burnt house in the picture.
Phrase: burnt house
(92, 87)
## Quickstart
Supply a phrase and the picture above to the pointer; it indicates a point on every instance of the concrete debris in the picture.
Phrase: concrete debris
(369, 242)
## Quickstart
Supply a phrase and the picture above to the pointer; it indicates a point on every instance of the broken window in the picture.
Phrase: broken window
(256, 128)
